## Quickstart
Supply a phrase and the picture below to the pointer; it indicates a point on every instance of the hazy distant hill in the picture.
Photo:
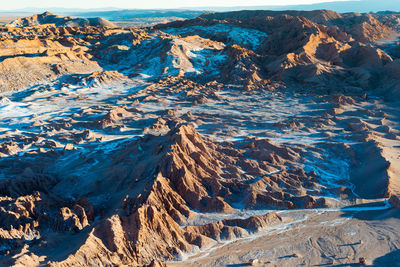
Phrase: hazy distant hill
(361, 6)
(354, 6)
(142, 13)
(129, 17)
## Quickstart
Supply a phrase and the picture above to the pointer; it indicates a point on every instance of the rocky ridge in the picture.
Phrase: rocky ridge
(59, 21)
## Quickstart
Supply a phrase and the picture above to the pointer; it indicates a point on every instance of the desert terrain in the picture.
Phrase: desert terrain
(264, 138)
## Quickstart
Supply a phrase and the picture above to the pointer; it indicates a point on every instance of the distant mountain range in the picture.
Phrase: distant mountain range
(361, 6)
(58, 10)
(146, 17)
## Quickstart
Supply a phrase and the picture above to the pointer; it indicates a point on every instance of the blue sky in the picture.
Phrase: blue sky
(18, 4)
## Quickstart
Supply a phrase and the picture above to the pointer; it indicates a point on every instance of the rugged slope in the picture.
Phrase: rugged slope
(317, 49)
(312, 50)
(173, 192)
(173, 176)
(362, 27)
(60, 52)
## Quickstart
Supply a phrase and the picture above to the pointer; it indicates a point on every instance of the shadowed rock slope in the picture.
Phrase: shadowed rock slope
(145, 204)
